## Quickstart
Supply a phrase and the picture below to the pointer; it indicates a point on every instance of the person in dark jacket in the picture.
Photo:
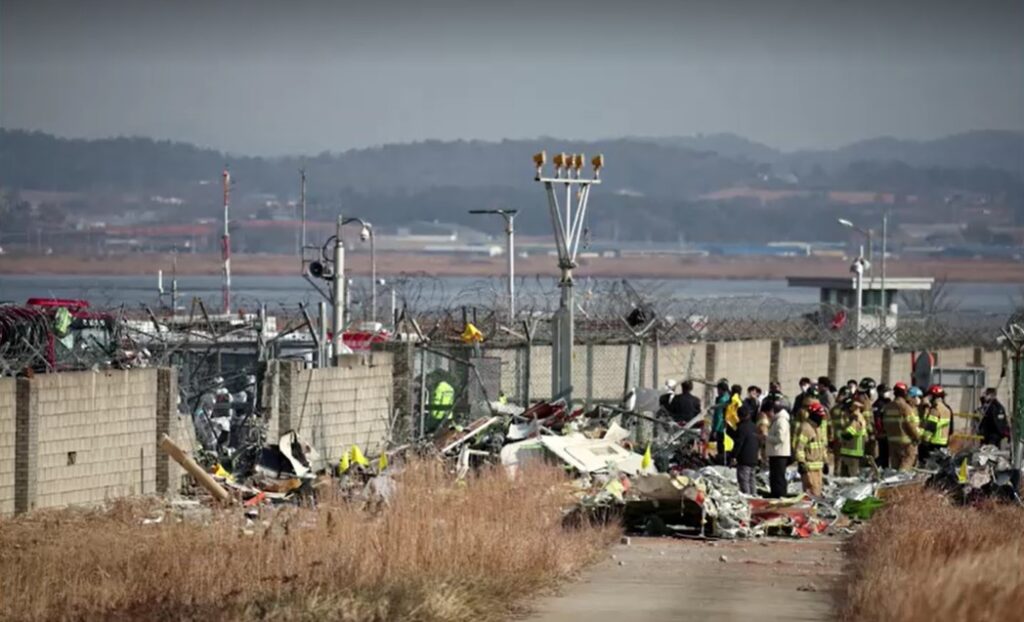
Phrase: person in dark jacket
(686, 405)
(828, 392)
(745, 452)
(884, 397)
(718, 421)
(798, 403)
(994, 426)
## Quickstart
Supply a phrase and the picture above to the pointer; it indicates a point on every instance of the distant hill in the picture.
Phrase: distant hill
(997, 149)
(727, 145)
(43, 162)
(649, 189)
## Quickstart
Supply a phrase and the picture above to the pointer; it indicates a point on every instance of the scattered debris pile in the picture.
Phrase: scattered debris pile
(661, 485)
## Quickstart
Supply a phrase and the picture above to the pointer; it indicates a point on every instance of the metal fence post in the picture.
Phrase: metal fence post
(655, 365)
(643, 365)
(590, 374)
(526, 374)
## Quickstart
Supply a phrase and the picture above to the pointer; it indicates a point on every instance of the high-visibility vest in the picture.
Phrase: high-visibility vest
(810, 448)
(853, 437)
(936, 425)
(441, 404)
(62, 321)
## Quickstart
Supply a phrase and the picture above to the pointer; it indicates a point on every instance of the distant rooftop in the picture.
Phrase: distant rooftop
(899, 283)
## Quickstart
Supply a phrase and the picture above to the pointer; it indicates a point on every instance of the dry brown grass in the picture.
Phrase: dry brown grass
(924, 559)
(442, 551)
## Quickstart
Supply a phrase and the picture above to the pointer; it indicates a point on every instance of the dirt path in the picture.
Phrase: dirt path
(662, 579)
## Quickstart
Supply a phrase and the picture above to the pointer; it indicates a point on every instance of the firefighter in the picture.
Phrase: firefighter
(810, 397)
(852, 437)
(810, 449)
(938, 422)
(837, 416)
(902, 429)
(865, 400)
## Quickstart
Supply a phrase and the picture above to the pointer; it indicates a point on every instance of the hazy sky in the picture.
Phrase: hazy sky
(302, 76)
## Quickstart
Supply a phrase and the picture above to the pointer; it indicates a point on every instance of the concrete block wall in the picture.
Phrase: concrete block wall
(861, 363)
(8, 391)
(95, 436)
(742, 362)
(335, 407)
(994, 362)
(800, 361)
(84, 437)
(681, 362)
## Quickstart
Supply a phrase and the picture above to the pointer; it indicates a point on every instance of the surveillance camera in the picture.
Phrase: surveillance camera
(364, 234)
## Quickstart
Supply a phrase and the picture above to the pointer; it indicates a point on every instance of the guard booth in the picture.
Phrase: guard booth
(879, 310)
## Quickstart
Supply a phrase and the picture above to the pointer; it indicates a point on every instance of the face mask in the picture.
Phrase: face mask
(804, 387)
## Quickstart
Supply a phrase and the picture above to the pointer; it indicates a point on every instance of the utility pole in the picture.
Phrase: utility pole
(885, 235)
(338, 297)
(509, 215)
(857, 268)
(226, 242)
(302, 205)
(567, 223)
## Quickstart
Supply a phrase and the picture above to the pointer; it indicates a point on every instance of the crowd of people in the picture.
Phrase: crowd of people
(827, 429)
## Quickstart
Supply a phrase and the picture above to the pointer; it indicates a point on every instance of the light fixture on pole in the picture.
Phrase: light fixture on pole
(366, 235)
(867, 233)
(332, 270)
(567, 222)
(509, 215)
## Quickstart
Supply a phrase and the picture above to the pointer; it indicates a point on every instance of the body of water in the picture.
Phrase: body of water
(288, 291)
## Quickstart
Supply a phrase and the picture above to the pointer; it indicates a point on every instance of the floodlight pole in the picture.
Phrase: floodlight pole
(567, 222)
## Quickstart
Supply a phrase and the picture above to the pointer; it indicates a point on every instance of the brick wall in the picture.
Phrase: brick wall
(334, 407)
(83, 437)
(7, 432)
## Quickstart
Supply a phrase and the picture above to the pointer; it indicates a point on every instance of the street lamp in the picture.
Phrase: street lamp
(869, 234)
(337, 275)
(366, 234)
(510, 230)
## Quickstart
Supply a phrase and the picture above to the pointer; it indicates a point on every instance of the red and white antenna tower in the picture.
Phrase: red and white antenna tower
(226, 242)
